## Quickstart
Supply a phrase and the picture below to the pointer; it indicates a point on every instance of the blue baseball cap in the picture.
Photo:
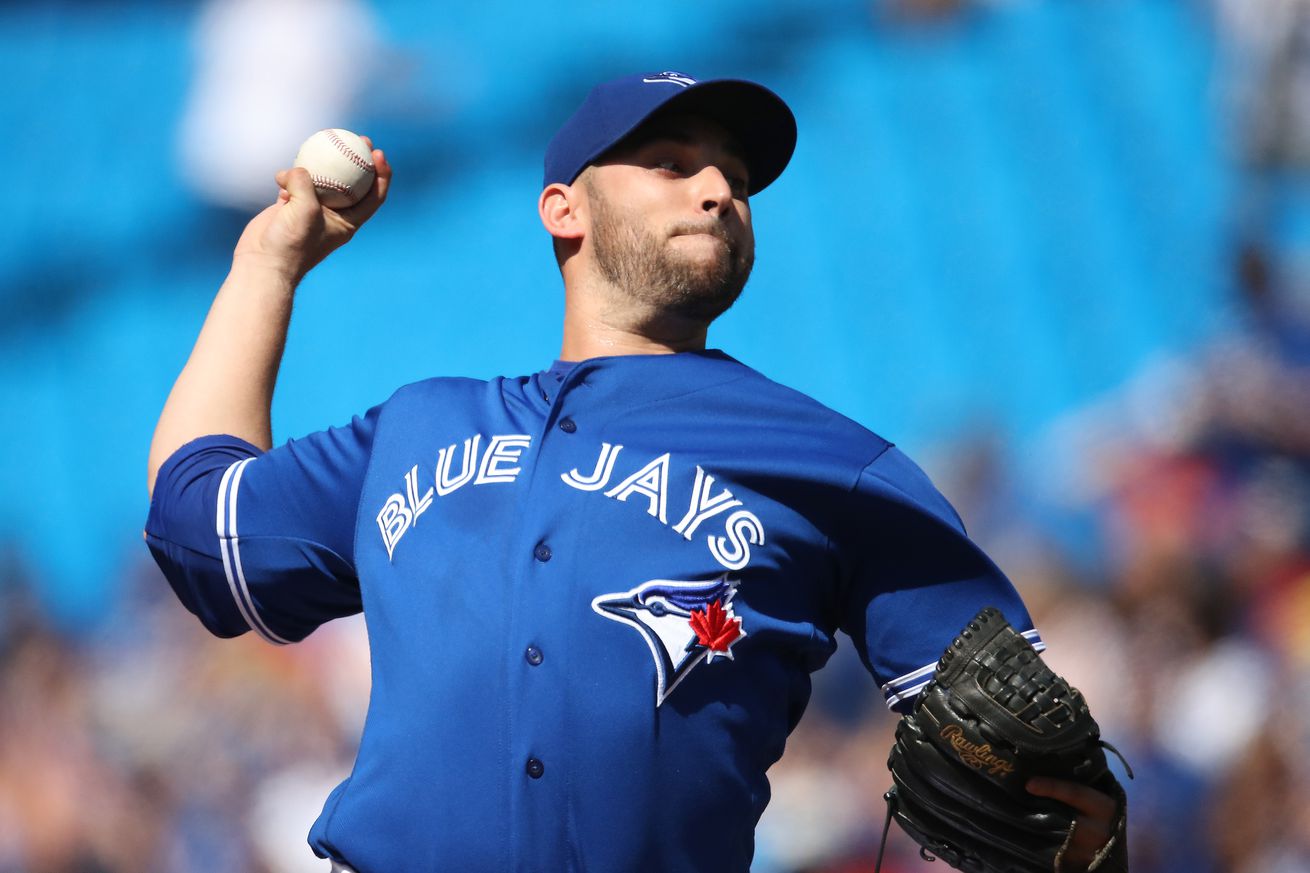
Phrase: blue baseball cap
(756, 117)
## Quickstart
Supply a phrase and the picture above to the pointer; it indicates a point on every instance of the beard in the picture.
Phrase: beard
(640, 262)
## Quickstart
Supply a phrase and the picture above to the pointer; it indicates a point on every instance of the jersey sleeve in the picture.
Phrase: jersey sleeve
(914, 578)
(263, 541)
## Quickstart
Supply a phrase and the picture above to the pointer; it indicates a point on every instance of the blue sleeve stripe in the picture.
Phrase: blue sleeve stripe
(230, 545)
(916, 678)
(906, 693)
(905, 687)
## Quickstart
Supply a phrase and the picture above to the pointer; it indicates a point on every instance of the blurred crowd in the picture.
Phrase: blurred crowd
(149, 746)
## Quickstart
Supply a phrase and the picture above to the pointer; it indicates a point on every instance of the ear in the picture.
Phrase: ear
(558, 208)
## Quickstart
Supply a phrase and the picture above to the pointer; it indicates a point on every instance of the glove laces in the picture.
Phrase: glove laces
(890, 797)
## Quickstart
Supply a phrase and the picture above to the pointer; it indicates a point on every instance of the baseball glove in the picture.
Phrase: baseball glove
(992, 717)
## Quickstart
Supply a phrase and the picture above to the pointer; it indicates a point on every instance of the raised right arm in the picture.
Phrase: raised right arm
(227, 384)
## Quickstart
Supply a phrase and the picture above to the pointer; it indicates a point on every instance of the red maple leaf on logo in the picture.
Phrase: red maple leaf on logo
(715, 629)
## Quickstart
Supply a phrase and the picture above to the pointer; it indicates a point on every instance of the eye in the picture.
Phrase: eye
(739, 186)
(668, 165)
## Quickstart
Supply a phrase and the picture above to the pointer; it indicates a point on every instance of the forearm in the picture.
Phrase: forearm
(227, 383)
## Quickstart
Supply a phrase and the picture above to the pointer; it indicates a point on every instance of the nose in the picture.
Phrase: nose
(713, 190)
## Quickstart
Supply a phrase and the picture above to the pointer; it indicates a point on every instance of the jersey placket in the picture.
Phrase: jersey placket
(539, 654)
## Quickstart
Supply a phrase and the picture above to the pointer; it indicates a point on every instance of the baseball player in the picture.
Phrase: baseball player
(594, 594)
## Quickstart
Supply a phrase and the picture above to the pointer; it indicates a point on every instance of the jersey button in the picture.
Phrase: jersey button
(542, 552)
(535, 768)
(534, 656)
(567, 425)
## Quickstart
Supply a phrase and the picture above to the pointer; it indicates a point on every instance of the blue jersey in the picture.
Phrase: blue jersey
(594, 598)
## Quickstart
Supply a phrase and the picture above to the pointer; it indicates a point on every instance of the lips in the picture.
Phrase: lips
(714, 232)
(721, 237)
(711, 229)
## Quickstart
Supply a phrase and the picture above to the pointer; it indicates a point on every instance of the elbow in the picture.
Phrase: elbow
(220, 628)
(200, 586)
(214, 613)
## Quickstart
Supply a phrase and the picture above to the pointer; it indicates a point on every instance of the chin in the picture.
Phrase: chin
(709, 257)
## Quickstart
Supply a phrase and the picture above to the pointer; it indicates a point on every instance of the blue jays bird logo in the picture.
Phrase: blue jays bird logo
(672, 77)
(683, 623)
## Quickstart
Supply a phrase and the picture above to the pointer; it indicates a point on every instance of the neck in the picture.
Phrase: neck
(597, 325)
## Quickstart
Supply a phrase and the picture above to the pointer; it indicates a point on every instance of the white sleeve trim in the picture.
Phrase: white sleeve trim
(230, 545)
(909, 685)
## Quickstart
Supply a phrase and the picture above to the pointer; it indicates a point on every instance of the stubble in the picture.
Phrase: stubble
(640, 262)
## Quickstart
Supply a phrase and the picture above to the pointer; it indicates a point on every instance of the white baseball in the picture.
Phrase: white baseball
(340, 164)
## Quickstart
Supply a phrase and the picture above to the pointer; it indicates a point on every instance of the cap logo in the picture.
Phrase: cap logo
(681, 79)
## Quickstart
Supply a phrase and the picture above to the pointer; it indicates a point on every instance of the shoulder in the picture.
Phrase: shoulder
(893, 477)
(439, 386)
(813, 425)
(879, 469)
(431, 393)
(449, 409)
